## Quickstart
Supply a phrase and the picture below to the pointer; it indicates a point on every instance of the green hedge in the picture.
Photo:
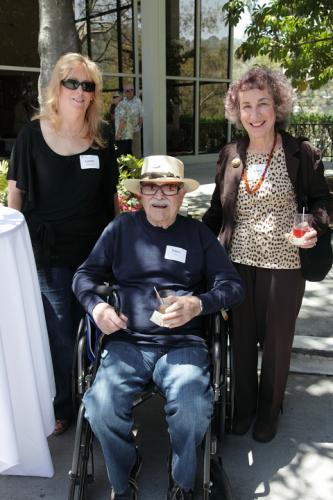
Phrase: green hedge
(311, 118)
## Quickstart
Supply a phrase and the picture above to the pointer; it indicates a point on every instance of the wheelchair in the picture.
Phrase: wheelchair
(214, 482)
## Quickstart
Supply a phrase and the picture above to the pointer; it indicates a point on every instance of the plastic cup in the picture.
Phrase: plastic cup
(302, 224)
(165, 297)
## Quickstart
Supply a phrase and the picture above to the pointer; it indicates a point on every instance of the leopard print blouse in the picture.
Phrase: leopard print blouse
(263, 218)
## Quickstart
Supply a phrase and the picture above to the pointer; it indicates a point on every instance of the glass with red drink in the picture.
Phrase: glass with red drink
(302, 224)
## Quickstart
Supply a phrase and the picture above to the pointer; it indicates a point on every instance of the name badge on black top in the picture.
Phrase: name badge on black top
(89, 161)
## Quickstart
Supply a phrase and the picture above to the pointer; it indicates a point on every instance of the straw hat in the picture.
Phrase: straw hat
(161, 168)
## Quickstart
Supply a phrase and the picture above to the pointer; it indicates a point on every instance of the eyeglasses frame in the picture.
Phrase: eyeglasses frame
(160, 188)
(76, 84)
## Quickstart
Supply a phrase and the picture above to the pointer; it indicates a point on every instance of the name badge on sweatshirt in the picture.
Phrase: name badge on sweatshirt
(89, 161)
(175, 253)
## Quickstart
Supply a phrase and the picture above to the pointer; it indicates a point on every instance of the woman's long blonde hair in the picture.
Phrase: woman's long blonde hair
(49, 108)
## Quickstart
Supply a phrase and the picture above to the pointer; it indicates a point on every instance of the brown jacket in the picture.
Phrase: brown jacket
(311, 188)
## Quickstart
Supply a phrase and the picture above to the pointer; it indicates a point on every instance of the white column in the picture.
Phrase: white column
(153, 76)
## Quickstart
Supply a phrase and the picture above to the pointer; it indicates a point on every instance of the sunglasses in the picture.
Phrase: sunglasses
(167, 189)
(72, 84)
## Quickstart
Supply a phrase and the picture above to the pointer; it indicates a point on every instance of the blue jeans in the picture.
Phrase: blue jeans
(183, 376)
(62, 314)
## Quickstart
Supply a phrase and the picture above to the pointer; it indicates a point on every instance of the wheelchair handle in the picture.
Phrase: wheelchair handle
(110, 294)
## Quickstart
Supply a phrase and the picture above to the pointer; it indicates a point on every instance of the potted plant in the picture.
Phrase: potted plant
(129, 168)
(3, 182)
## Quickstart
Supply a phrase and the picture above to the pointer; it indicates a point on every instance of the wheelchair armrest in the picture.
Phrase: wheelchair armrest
(103, 290)
(110, 294)
(218, 345)
(94, 336)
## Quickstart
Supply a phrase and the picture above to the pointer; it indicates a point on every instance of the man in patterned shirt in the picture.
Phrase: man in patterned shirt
(129, 123)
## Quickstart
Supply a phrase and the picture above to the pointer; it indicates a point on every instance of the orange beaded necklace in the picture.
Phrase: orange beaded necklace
(258, 184)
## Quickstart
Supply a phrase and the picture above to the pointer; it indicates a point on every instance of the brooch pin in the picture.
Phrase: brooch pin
(235, 163)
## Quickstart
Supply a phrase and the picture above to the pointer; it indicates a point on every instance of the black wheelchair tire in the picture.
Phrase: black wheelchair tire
(80, 478)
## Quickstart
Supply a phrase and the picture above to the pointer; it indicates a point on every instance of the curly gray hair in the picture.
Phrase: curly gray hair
(260, 77)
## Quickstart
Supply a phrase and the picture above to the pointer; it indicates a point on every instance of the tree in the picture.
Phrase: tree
(57, 35)
(296, 33)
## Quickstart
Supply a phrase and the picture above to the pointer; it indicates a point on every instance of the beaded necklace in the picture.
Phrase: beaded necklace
(258, 184)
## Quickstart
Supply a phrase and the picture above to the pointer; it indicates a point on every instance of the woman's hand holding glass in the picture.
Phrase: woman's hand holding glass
(303, 235)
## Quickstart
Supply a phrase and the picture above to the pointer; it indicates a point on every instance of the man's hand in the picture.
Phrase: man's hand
(181, 310)
(107, 319)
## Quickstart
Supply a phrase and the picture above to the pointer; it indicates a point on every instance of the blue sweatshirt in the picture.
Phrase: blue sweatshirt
(135, 256)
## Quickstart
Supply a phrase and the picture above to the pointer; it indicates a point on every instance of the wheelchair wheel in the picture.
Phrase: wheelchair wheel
(226, 409)
(216, 484)
(82, 470)
(221, 377)
(222, 409)
(220, 484)
(230, 395)
(79, 366)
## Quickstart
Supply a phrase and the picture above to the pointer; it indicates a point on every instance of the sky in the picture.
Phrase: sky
(245, 21)
(239, 29)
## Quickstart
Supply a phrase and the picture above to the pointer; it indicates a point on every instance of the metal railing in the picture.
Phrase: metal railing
(213, 136)
(318, 134)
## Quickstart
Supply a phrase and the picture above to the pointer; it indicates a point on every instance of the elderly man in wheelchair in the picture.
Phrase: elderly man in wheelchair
(142, 253)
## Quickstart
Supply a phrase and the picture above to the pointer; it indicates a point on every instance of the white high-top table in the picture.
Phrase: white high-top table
(26, 375)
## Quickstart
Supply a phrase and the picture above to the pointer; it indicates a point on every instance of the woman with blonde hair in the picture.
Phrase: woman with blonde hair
(63, 177)
(256, 197)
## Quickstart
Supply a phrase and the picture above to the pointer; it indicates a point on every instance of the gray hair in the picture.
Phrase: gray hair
(260, 77)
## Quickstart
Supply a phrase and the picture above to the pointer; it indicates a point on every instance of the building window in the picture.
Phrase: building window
(197, 66)
(19, 68)
(180, 40)
(213, 127)
(214, 41)
(180, 117)
(110, 33)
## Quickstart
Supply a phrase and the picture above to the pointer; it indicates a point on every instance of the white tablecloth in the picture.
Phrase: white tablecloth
(26, 376)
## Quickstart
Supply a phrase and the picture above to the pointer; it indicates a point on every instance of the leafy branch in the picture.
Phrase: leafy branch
(296, 34)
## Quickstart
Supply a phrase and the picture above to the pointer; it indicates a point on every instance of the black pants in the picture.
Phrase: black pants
(267, 316)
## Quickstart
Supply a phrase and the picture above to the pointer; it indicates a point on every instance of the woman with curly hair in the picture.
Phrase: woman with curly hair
(63, 177)
(252, 211)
